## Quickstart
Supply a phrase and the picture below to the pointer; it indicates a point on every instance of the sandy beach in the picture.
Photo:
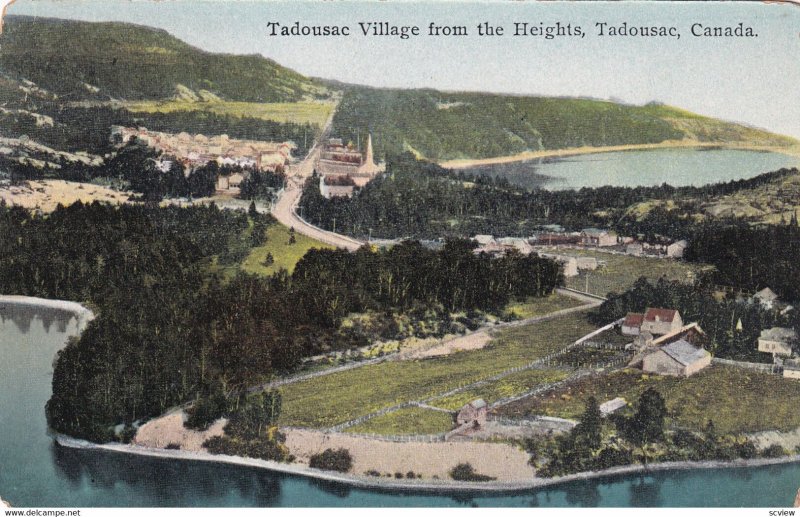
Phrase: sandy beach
(576, 151)
(168, 429)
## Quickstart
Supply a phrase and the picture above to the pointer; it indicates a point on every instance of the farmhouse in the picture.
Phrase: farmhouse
(611, 406)
(661, 321)
(632, 324)
(589, 263)
(570, 264)
(777, 341)
(635, 249)
(680, 359)
(598, 237)
(473, 413)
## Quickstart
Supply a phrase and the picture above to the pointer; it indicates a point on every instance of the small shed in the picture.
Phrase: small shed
(676, 249)
(791, 369)
(613, 405)
(473, 413)
(635, 249)
(679, 359)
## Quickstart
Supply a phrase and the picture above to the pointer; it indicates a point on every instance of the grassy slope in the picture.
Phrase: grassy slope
(447, 126)
(135, 62)
(315, 113)
(284, 254)
(539, 306)
(737, 400)
(338, 397)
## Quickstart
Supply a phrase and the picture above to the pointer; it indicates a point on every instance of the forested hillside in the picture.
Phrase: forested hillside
(445, 126)
(123, 61)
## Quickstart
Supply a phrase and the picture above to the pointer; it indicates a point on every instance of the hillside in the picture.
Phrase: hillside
(447, 126)
(104, 61)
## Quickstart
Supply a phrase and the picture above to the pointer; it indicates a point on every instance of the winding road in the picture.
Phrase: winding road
(285, 208)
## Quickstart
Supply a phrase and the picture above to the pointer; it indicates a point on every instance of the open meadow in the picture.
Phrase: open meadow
(306, 112)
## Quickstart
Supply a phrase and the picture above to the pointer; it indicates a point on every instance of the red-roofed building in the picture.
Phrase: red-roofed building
(632, 324)
(661, 321)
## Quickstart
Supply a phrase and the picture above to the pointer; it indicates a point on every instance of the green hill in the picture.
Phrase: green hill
(446, 126)
(83, 60)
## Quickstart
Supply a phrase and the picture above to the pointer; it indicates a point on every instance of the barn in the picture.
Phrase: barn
(679, 359)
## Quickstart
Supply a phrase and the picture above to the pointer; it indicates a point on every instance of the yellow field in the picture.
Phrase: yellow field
(296, 112)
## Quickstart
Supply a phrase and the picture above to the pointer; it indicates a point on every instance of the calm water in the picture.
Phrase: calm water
(35, 472)
(678, 167)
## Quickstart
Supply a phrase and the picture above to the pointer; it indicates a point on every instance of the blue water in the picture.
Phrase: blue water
(678, 167)
(34, 471)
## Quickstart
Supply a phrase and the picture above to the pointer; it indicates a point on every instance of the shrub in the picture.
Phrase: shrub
(774, 451)
(398, 475)
(373, 473)
(338, 460)
(410, 474)
(173, 446)
(465, 472)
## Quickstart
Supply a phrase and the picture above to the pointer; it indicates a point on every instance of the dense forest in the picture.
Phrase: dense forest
(732, 326)
(168, 329)
(446, 125)
(418, 199)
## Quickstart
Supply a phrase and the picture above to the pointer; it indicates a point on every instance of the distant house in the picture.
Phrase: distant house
(632, 324)
(520, 245)
(598, 237)
(676, 249)
(680, 359)
(473, 413)
(570, 264)
(766, 297)
(661, 321)
(635, 248)
(777, 341)
(611, 406)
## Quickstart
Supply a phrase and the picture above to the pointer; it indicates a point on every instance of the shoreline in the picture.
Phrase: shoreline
(436, 486)
(468, 163)
(83, 314)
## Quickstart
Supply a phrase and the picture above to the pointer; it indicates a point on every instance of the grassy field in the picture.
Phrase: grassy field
(514, 384)
(737, 400)
(540, 306)
(621, 271)
(339, 397)
(285, 255)
(315, 113)
(412, 420)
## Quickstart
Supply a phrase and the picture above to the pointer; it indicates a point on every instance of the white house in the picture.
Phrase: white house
(777, 341)
(676, 249)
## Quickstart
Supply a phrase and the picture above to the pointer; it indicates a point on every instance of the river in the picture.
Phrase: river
(34, 471)
(678, 167)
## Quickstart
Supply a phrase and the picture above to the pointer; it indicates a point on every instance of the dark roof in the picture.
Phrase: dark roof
(633, 319)
(684, 352)
(660, 314)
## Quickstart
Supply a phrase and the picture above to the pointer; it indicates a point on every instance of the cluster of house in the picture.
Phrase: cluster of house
(342, 168)
(192, 151)
(496, 247)
(663, 345)
(554, 235)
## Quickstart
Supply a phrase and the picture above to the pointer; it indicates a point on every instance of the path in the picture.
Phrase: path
(285, 208)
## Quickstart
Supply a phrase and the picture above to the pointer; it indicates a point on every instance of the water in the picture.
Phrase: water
(36, 472)
(678, 167)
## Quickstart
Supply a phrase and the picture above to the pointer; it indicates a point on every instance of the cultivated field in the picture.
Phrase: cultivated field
(412, 420)
(315, 113)
(541, 306)
(735, 399)
(339, 397)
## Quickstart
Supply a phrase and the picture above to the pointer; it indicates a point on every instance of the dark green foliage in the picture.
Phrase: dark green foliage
(207, 408)
(590, 428)
(262, 185)
(774, 451)
(135, 62)
(254, 414)
(647, 424)
(466, 472)
(338, 460)
(484, 125)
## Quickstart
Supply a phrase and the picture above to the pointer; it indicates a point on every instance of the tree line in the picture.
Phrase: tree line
(169, 330)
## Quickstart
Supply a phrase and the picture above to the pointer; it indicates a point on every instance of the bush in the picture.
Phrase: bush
(465, 472)
(338, 460)
(173, 446)
(374, 473)
(411, 475)
(774, 451)
(206, 410)
(398, 475)
(258, 448)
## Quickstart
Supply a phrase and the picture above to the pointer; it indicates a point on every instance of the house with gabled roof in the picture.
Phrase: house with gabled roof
(632, 324)
(473, 413)
(766, 297)
(658, 321)
(679, 358)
